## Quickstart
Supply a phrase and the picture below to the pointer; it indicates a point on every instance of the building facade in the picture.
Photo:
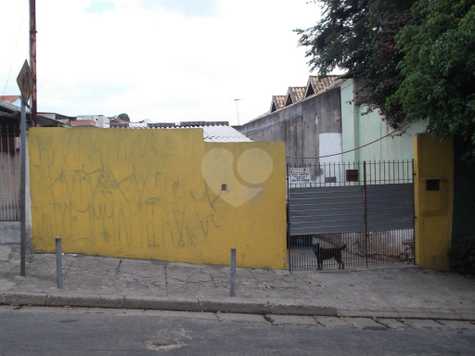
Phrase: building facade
(328, 125)
(309, 124)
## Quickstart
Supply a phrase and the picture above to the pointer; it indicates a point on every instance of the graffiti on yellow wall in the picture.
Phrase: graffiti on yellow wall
(158, 194)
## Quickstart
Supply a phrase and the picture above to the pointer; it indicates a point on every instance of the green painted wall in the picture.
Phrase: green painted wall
(349, 117)
(360, 128)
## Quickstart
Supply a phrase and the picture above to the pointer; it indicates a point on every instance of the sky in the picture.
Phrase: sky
(159, 60)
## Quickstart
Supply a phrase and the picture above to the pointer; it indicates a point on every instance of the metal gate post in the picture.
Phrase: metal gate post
(287, 215)
(23, 129)
(59, 263)
(365, 207)
(414, 211)
(232, 273)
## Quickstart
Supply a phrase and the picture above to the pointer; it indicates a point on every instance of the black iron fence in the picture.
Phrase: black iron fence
(309, 173)
(350, 214)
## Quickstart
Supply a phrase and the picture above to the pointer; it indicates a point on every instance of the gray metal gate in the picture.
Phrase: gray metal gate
(9, 174)
(350, 214)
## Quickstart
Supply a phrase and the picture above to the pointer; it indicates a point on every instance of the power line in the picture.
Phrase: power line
(356, 148)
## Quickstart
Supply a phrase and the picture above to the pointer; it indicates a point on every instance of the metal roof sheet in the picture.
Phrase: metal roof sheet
(223, 134)
(212, 132)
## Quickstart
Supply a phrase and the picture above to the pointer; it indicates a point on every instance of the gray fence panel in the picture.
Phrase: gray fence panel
(390, 207)
(325, 210)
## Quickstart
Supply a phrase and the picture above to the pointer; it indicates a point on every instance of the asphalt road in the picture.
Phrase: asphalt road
(43, 331)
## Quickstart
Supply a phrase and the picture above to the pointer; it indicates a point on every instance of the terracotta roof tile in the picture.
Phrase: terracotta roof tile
(9, 98)
(278, 102)
(297, 93)
(83, 123)
(317, 85)
(294, 95)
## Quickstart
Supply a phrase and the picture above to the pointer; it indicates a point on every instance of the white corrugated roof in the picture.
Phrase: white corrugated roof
(138, 125)
(223, 134)
(211, 132)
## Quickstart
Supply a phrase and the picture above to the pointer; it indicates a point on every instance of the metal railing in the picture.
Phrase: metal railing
(307, 173)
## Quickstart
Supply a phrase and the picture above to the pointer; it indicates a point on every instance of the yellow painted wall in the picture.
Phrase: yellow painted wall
(158, 194)
(433, 160)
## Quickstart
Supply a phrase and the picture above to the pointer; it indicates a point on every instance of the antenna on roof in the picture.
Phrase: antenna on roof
(236, 101)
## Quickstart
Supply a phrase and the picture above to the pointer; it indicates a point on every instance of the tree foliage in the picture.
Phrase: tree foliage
(416, 58)
(124, 117)
(438, 67)
(359, 36)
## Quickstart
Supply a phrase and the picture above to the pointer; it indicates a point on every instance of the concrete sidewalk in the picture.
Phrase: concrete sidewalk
(404, 292)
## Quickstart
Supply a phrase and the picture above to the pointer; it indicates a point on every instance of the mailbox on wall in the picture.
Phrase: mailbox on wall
(436, 201)
(433, 185)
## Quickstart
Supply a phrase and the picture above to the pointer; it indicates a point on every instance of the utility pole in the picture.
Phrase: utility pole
(34, 107)
(24, 81)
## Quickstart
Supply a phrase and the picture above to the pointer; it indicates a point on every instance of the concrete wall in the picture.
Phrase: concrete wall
(434, 160)
(360, 127)
(300, 125)
(158, 194)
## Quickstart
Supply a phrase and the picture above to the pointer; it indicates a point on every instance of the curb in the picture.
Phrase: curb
(224, 305)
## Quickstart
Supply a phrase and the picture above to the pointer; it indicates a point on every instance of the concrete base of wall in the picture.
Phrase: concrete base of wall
(9, 232)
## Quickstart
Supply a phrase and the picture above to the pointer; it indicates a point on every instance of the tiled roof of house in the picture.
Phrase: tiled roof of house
(83, 123)
(161, 125)
(278, 102)
(9, 98)
(317, 84)
(203, 123)
(294, 95)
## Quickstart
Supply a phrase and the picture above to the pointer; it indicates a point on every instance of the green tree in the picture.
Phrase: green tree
(438, 67)
(124, 117)
(359, 36)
